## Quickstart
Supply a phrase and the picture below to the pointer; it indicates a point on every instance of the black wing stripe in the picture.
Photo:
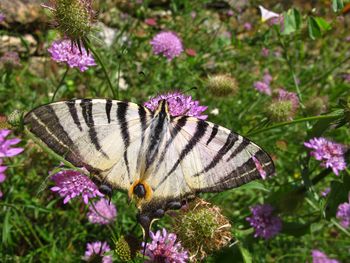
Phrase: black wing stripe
(213, 133)
(86, 106)
(143, 118)
(73, 112)
(230, 141)
(200, 131)
(121, 117)
(108, 109)
(239, 149)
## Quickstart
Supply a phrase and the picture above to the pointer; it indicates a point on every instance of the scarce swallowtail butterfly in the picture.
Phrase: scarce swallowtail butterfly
(159, 160)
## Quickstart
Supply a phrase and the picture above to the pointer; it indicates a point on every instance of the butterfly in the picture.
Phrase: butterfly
(161, 161)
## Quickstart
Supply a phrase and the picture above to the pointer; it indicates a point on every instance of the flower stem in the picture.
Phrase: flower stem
(281, 124)
(97, 56)
(60, 83)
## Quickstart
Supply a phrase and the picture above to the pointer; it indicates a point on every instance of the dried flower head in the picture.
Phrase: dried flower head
(165, 248)
(179, 104)
(95, 252)
(330, 153)
(343, 214)
(73, 18)
(203, 229)
(222, 85)
(266, 225)
(168, 44)
(320, 257)
(102, 212)
(72, 183)
(122, 250)
(66, 51)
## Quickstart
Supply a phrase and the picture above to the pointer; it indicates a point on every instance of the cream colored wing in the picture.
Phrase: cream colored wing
(104, 136)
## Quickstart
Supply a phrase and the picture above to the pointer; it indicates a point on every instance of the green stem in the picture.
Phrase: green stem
(97, 56)
(60, 83)
(281, 124)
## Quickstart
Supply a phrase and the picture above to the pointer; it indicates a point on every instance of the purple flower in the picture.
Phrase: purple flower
(267, 78)
(326, 191)
(346, 77)
(2, 17)
(284, 95)
(179, 104)
(343, 214)
(262, 87)
(2, 170)
(5, 145)
(164, 248)
(10, 59)
(95, 252)
(168, 44)
(265, 52)
(320, 257)
(247, 26)
(102, 212)
(230, 12)
(330, 153)
(71, 183)
(66, 51)
(265, 223)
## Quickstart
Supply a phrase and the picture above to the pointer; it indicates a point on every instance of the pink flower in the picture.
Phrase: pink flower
(102, 212)
(71, 183)
(179, 104)
(284, 95)
(164, 248)
(264, 85)
(247, 26)
(2, 170)
(95, 252)
(343, 214)
(265, 52)
(330, 153)
(320, 257)
(168, 44)
(6, 144)
(151, 21)
(191, 52)
(66, 51)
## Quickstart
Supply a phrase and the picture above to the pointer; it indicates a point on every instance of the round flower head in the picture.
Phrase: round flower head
(5, 145)
(330, 153)
(164, 248)
(71, 183)
(320, 257)
(265, 223)
(168, 44)
(66, 51)
(102, 212)
(95, 252)
(222, 85)
(343, 214)
(179, 104)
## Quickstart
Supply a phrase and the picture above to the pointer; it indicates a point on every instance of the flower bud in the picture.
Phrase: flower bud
(203, 229)
(222, 85)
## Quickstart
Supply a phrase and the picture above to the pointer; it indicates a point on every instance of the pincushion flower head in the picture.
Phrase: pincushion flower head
(330, 154)
(66, 51)
(72, 183)
(95, 252)
(73, 18)
(165, 248)
(179, 104)
(343, 214)
(283, 107)
(320, 257)
(168, 44)
(102, 212)
(266, 224)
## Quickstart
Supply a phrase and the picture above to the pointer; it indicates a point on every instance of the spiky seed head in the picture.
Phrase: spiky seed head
(202, 229)
(279, 111)
(222, 85)
(122, 249)
(316, 105)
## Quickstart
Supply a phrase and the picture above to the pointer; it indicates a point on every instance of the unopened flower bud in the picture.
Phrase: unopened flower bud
(222, 85)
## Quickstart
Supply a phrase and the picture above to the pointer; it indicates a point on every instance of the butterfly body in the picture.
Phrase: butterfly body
(158, 159)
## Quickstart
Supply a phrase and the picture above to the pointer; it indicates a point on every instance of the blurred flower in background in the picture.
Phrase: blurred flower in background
(343, 214)
(66, 51)
(168, 44)
(72, 183)
(179, 104)
(10, 60)
(266, 224)
(330, 153)
(283, 107)
(320, 257)
(95, 252)
(264, 85)
(102, 212)
(2, 17)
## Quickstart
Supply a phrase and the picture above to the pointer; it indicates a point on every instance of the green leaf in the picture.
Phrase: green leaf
(247, 257)
(339, 194)
(337, 5)
(314, 28)
(292, 20)
(323, 24)
(254, 185)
